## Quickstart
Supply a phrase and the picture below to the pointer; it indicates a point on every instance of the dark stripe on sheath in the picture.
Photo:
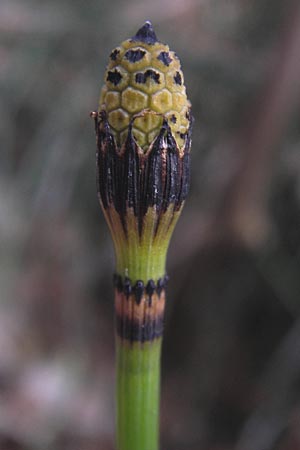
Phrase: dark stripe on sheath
(129, 179)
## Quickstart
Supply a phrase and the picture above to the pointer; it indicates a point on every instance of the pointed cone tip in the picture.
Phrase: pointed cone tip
(146, 34)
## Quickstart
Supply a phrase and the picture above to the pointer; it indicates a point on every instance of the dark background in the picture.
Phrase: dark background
(231, 357)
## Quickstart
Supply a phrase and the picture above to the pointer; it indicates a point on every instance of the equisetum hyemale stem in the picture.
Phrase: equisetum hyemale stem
(143, 129)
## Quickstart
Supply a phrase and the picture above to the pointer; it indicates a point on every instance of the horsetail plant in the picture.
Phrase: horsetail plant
(143, 130)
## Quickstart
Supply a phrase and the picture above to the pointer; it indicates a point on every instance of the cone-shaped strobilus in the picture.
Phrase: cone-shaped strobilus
(143, 129)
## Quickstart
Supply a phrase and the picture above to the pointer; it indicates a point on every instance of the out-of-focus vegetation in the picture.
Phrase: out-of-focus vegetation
(231, 360)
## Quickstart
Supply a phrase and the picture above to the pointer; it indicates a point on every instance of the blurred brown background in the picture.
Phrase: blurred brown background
(231, 358)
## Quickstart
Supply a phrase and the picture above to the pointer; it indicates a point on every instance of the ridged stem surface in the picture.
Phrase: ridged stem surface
(138, 381)
(139, 308)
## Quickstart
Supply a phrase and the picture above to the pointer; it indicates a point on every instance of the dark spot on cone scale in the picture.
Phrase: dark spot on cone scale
(165, 58)
(178, 78)
(135, 55)
(114, 54)
(114, 77)
(141, 77)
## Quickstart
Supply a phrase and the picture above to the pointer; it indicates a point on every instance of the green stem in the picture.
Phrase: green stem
(140, 262)
(138, 384)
